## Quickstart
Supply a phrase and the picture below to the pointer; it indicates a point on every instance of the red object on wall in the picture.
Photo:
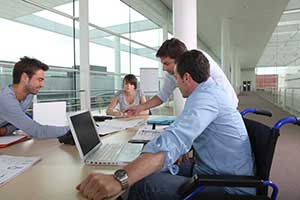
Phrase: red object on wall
(266, 81)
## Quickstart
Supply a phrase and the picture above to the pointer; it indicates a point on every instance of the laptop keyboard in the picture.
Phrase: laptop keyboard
(107, 152)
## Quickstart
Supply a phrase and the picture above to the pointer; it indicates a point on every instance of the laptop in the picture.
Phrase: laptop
(50, 113)
(91, 150)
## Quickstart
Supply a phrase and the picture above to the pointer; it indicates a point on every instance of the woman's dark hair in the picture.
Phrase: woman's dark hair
(172, 48)
(195, 63)
(130, 78)
(29, 66)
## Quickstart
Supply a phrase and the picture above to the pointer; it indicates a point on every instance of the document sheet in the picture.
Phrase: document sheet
(110, 126)
(145, 134)
(11, 166)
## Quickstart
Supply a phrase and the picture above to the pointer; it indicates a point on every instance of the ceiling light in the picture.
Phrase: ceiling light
(287, 23)
(291, 11)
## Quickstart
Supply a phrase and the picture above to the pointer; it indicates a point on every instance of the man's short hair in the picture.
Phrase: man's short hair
(130, 78)
(172, 48)
(195, 63)
(29, 66)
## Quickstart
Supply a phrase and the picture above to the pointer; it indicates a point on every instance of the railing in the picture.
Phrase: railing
(62, 84)
(99, 100)
(286, 98)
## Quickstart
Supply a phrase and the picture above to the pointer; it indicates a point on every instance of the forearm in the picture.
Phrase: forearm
(144, 165)
(153, 102)
(145, 112)
(113, 113)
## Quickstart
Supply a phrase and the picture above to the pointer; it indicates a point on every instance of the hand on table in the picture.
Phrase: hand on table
(98, 186)
(133, 110)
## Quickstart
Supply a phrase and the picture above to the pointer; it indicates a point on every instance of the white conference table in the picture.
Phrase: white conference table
(59, 171)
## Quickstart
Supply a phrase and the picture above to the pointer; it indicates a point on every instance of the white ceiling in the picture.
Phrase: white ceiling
(11, 9)
(283, 48)
(252, 23)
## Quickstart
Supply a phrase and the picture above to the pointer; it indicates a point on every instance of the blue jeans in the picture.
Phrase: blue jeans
(164, 186)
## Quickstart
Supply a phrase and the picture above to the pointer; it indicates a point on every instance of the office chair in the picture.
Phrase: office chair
(263, 141)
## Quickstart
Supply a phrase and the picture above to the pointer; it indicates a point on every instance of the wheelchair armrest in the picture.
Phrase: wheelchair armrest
(216, 180)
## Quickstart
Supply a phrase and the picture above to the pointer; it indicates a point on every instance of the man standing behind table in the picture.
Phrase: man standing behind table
(15, 99)
(169, 51)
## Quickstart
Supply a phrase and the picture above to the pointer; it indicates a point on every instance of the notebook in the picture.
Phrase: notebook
(50, 113)
(165, 120)
(12, 139)
(92, 150)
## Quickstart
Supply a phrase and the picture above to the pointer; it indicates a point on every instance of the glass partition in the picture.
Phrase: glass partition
(280, 85)
(49, 31)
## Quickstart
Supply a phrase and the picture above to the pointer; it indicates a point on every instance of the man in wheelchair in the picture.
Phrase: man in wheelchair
(209, 123)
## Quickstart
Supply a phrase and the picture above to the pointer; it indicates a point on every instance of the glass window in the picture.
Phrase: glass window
(119, 44)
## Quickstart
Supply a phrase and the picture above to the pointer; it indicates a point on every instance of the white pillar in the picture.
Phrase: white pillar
(232, 65)
(165, 32)
(165, 37)
(185, 22)
(234, 69)
(185, 29)
(117, 78)
(238, 78)
(85, 94)
(225, 47)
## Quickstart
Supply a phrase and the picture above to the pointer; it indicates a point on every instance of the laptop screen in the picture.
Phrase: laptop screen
(85, 131)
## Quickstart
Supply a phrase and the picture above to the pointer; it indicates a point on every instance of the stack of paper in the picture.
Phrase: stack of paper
(144, 135)
(110, 126)
(104, 129)
(11, 166)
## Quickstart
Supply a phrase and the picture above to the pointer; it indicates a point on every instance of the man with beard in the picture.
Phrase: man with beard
(15, 99)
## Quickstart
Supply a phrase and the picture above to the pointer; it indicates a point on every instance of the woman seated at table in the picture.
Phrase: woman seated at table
(127, 97)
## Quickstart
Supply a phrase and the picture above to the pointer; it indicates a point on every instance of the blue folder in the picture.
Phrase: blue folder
(166, 120)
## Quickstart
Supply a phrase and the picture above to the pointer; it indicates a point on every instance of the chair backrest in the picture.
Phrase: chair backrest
(263, 142)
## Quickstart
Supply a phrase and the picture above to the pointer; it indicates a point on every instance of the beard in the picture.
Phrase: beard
(31, 89)
(170, 72)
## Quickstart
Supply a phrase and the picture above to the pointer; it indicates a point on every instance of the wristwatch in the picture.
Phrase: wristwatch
(122, 177)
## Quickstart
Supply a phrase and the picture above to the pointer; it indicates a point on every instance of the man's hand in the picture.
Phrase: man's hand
(99, 186)
(3, 131)
(133, 110)
(183, 158)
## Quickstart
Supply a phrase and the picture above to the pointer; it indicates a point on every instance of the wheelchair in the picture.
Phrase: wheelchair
(263, 142)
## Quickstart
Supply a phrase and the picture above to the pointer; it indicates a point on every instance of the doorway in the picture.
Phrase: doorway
(246, 86)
